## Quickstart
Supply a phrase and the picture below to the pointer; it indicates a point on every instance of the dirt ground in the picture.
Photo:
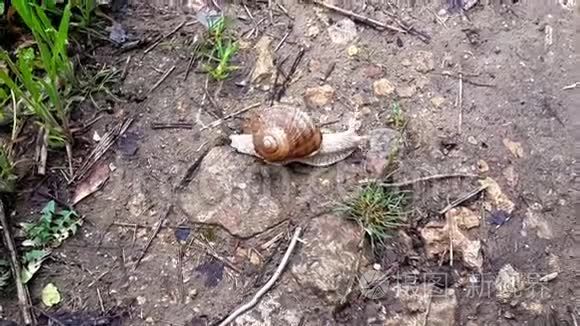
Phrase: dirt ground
(513, 91)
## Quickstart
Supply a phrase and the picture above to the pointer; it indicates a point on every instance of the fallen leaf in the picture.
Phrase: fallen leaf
(99, 175)
(514, 147)
(50, 295)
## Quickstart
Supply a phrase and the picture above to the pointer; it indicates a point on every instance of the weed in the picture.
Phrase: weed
(219, 49)
(397, 118)
(4, 273)
(44, 95)
(377, 211)
(7, 176)
(53, 227)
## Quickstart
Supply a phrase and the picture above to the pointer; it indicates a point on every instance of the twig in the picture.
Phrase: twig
(360, 18)
(571, 86)
(153, 235)
(268, 285)
(229, 116)
(210, 252)
(428, 309)
(451, 221)
(283, 39)
(47, 315)
(463, 75)
(290, 74)
(462, 199)
(437, 17)
(172, 125)
(106, 142)
(164, 37)
(460, 103)
(165, 75)
(100, 300)
(23, 299)
(218, 112)
(126, 68)
(429, 178)
(329, 71)
(180, 273)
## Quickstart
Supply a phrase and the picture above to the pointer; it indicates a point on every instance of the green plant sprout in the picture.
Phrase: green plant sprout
(219, 48)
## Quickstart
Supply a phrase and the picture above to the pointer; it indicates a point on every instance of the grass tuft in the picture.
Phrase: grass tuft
(219, 48)
(377, 210)
(397, 117)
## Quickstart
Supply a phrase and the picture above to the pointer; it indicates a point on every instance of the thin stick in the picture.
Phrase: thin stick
(429, 178)
(460, 103)
(462, 75)
(23, 299)
(164, 37)
(268, 285)
(165, 75)
(100, 300)
(451, 221)
(360, 18)
(229, 116)
(126, 68)
(462, 199)
(571, 86)
(283, 39)
(180, 273)
(153, 235)
(172, 125)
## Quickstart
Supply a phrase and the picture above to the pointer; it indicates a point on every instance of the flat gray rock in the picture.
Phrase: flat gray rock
(326, 261)
(238, 192)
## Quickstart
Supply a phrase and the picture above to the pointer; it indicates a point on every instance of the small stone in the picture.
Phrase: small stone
(366, 111)
(511, 176)
(549, 277)
(482, 166)
(406, 91)
(382, 142)
(377, 267)
(314, 65)
(472, 140)
(496, 197)
(442, 309)
(514, 147)
(318, 97)
(535, 221)
(192, 293)
(352, 51)
(437, 101)
(264, 68)
(424, 61)
(343, 31)
(150, 320)
(383, 87)
(373, 71)
(141, 300)
(406, 62)
(508, 283)
(313, 31)
(464, 217)
(509, 315)
(421, 82)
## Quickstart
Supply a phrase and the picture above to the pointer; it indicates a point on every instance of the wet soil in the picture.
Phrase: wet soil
(512, 88)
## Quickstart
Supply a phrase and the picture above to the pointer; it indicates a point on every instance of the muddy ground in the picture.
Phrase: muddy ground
(515, 115)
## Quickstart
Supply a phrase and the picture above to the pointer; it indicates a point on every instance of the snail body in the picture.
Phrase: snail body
(284, 134)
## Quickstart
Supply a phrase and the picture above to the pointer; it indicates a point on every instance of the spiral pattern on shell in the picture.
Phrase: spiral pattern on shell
(283, 133)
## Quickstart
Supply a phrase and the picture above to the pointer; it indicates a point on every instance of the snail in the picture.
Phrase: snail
(285, 134)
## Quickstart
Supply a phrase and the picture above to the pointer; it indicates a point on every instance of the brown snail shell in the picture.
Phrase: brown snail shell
(283, 134)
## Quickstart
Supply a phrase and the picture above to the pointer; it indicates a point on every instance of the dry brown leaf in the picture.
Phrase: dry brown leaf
(93, 182)
(514, 147)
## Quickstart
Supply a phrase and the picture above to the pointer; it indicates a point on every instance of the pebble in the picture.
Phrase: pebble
(482, 166)
(352, 51)
(406, 91)
(437, 101)
(383, 87)
(343, 31)
(313, 31)
(424, 61)
(472, 140)
(318, 97)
